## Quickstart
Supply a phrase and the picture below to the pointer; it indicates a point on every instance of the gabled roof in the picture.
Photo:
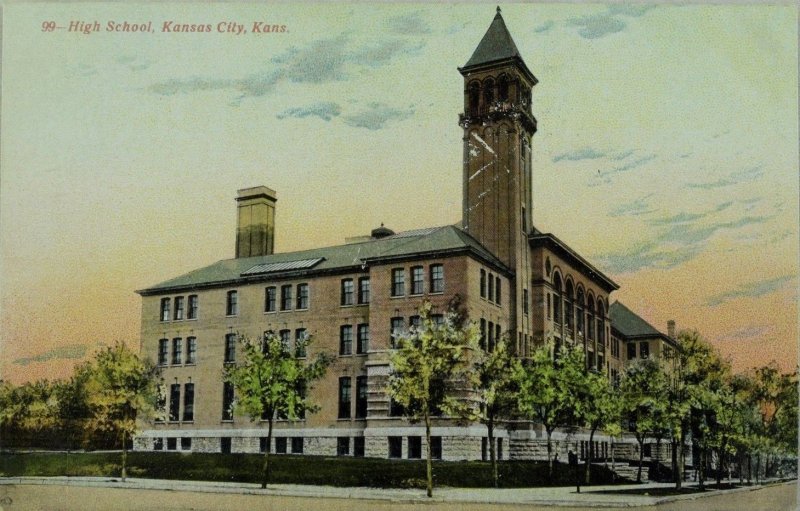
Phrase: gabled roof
(631, 326)
(430, 242)
(496, 46)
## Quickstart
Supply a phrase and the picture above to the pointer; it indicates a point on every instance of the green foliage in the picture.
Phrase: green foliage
(270, 380)
(549, 389)
(429, 371)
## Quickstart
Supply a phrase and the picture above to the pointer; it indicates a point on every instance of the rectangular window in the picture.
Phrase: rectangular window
(347, 292)
(174, 401)
(232, 303)
(437, 319)
(297, 445)
(557, 308)
(178, 308)
(343, 446)
(177, 346)
(192, 312)
(362, 344)
(590, 328)
(358, 447)
(263, 444)
(579, 320)
(188, 402)
(302, 296)
(497, 293)
(415, 321)
(191, 350)
(416, 280)
(286, 340)
(158, 444)
(437, 278)
(644, 349)
(165, 309)
(286, 297)
(490, 341)
(172, 444)
(361, 397)
(483, 283)
(395, 447)
(601, 333)
(548, 305)
(396, 409)
(398, 282)
(436, 447)
(631, 350)
(346, 340)
(344, 397)
(227, 401)
(483, 335)
(163, 351)
(270, 299)
(280, 445)
(300, 342)
(363, 290)
(525, 303)
(225, 445)
(414, 447)
(490, 294)
(397, 329)
(230, 348)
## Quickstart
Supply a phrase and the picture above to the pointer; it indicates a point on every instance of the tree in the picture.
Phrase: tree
(271, 381)
(495, 387)
(600, 409)
(428, 369)
(644, 390)
(546, 389)
(121, 389)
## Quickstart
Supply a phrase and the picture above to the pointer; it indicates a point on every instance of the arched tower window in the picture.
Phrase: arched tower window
(502, 88)
(474, 98)
(488, 93)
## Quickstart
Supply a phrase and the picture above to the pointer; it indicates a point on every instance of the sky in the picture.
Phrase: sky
(666, 152)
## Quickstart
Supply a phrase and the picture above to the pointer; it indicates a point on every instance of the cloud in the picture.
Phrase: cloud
(321, 61)
(544, 27)
(586, 153)
(408, 24)
(742, 176)
(752, 290)
(645, 255)
(597, 25)
(609, 22)
(376, 115)
(71, 351)
(635, 208)
(603, 177)
(325, 110)
(746, 334)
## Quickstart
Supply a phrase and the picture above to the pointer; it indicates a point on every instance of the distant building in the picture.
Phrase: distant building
(511, 278)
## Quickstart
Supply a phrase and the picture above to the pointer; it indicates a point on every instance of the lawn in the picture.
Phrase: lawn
(291, 469)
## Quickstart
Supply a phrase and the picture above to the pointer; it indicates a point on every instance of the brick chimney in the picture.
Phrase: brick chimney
(255, 225)
(671, 328)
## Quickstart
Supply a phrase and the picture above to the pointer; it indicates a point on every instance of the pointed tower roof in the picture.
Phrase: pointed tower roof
(496, 46)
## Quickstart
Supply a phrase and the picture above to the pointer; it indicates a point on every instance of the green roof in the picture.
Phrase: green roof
(433, 242)
(497, 45)
(629, 324)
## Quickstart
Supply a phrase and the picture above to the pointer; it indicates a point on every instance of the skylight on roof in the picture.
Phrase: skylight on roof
(300, 264)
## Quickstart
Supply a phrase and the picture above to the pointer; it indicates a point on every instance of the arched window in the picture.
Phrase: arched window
(590, 319)
(601, 329)
(557, 298)
(488, 93)
(569, 315)
(579, 303)
(502, 88)
(474, 97)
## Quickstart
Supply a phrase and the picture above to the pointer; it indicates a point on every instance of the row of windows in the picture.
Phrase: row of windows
(348, 293)
(181, 311)
(644, 350)
(490, 287)
(398, 328)
(174, 403)
(177, 351)
(228, 395)
(414, 450)
(345, 399)
(490, 335)
(346, 339)
(417, 284)
(286, 300)
(285, 335)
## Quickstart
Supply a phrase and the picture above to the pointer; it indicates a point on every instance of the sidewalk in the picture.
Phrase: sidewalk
(560, 496)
